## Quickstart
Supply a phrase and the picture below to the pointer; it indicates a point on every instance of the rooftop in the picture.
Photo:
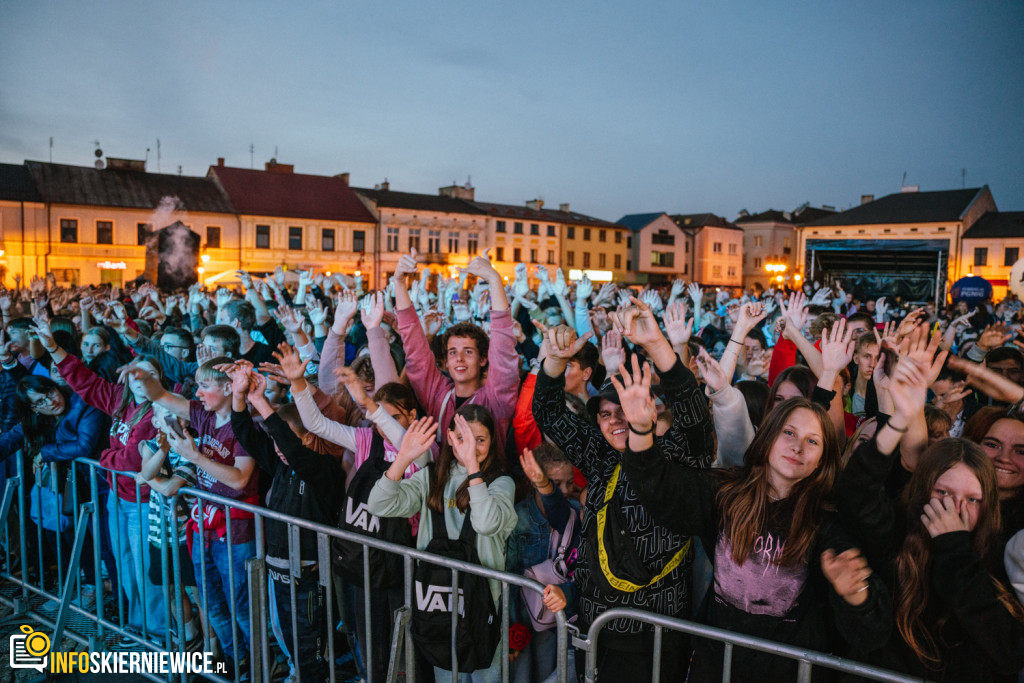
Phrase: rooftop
(129, 189)
(996, 224)
(415, 201)
(638, 221)
(16, 184)
(539, 215)
(907, 207)
(702, 220)
(291, 195)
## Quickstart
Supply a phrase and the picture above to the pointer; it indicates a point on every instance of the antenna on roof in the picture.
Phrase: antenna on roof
(146, 160)
(252, 156)
(158, 155)
(963, 177)
(275, 151)
(51, 149)
(904, 181)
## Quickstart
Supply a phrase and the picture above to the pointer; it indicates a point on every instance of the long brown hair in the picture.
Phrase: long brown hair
(492, 467)
(914, 560)
(127, 398)
(743, 498)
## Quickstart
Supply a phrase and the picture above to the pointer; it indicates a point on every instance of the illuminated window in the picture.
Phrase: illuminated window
(104, 232)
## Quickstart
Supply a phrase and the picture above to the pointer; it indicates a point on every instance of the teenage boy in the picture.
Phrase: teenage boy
(223, 468)
(219, 340)
(468, 354)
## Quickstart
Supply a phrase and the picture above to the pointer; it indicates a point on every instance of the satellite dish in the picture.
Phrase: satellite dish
(98, 152)
(99, 164)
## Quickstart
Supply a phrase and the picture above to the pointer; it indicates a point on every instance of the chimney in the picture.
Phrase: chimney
(467, 191)
(866, 199)
(535, 204)
(273, 167)
(385, 185)
(220, 162)
(910, 188)
(563, 208)
(114, 164)
(343, 177)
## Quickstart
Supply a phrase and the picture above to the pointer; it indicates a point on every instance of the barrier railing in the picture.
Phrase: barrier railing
(98, 626)
(806, 659)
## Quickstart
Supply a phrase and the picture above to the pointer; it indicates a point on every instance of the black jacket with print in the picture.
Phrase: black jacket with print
(689, 441)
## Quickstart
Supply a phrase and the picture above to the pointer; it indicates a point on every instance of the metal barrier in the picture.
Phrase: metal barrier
(97, 627)
(806, 658)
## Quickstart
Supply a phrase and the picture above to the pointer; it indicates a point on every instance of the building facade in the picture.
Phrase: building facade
(769, 241)
(659, 249)
(717, 256)
(991, 247)
(446, 229)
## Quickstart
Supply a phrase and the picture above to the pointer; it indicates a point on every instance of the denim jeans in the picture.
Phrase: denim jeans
(224, 591)
(383, 604)
(310, 619)
(491, 674)
(128, 529)
(538, 659)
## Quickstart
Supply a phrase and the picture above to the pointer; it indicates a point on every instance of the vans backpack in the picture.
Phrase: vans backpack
(478, 629)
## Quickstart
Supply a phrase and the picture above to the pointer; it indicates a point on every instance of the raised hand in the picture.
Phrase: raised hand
(244, 278)
(223, 297)
(532, 470)
(696, 294)
(482, 268)
(749, 316)
(355, 387)
(544, 282)
(912, 320)
(373, 314)
(463, 444)
(848, 572)
(795, 313)
(560, 286)
(637, 323)
(291, 321)
(757, 363)
(678, 287)
(606, 295)
(348, 304)
(184, 446)
(612, 353)
(880, 310)
(653, 300)
(678, 327)
(822, 297)
(317, 311)
(584, 288)
(994, 336)
(836, 347)
(940, 517)
(41, 326)
(711, 371)
(563, 343)
(294, 368)
(418, 437)
(634, 390)
(203, 353)
(257, 390)
(406, 264)
(274, 372)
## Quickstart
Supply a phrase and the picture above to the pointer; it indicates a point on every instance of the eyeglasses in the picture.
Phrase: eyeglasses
(45, 402)
(173, 346)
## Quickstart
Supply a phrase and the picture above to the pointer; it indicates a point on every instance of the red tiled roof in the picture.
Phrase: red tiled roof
(291, 195)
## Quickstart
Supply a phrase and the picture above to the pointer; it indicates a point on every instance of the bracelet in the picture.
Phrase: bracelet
(733, 341)
(544, 485)
(639, 433)
(897, 430)
(475, 475)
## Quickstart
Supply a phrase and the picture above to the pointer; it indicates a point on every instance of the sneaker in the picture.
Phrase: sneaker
(88, 601)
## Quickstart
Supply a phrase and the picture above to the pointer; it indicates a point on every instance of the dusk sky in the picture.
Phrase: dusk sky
(615, 108)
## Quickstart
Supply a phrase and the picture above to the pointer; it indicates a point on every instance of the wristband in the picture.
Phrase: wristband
(475, 475)
(733, 341)
(895, 429)
(639, 433)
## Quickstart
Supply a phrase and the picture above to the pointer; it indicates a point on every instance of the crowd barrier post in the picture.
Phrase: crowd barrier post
(73, 579)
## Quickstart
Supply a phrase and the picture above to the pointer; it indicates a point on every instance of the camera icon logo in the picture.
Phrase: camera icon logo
(30, 649)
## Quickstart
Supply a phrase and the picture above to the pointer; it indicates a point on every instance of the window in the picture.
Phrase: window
(570, 233)
(570, 258)
(716, 271)
(785, 243)
(717, 247)
(263, 237)
(551, 231)
(602, 261)
(586, 259)
(618, 260)
(434, 241)
(534, 229)
(69, 230)
(757, 263)
(295, 238)
(618, 237)
(104, 232)
(499, 226)
(602, 235)
(533, 256)
(1011, 255)
(500, 253)
(474, 243)
(687, 247)
(686, 268)
(551, 257)
(392, 238)
(757, 240)
(663, 237)
(358, 240)
(732, 249)
(453, 242)
(414, 239)
(629, 242)
(142, 232)
(517, 255)
(732, 271)
(786, 250)
(586, 234)
(663, 259)
(213, 236)
(327, 239)
(980, 256)
(517, 228)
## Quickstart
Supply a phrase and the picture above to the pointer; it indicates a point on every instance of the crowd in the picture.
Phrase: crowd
(795, 464)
